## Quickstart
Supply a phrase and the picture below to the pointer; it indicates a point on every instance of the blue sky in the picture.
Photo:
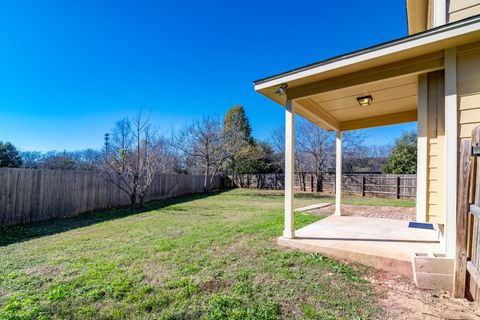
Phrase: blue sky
(70, 69)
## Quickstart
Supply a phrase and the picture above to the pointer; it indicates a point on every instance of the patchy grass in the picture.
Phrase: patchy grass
(185, 258)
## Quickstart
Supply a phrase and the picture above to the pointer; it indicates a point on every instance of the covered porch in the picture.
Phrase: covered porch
(386, 95)
(392, 83)
(381, 95)
(367, 94)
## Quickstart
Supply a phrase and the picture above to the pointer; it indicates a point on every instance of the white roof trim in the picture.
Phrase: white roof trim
(430, 36)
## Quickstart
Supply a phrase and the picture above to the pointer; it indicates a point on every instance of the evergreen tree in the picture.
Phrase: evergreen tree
(236, 128)
(238, 140)
(9, 156)
(263, 159)
(403, 159)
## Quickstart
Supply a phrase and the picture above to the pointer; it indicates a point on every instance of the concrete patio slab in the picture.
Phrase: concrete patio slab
(386, 244)
(313, 207)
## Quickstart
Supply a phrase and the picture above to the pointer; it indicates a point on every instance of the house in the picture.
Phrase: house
(431, 76)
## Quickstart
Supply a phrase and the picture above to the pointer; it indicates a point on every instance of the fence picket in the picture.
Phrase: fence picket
(28, 195)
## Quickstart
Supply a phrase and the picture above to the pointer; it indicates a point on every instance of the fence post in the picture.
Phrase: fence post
(334, 183)
(363, 185)
(398, 187)
(463, 203)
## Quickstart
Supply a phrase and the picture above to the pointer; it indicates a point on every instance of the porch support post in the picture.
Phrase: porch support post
(422, 149)
(289, 230)
(451, 150)
(338, 174)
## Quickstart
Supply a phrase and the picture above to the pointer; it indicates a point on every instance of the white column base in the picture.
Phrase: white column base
(289, 234)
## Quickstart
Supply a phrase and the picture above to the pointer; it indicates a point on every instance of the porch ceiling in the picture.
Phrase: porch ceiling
(394, 101)
(325, 92)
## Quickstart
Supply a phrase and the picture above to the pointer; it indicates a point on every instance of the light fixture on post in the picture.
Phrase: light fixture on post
(281, 90)
(365, 101)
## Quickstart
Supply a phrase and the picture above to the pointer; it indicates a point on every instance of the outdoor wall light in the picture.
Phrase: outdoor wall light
(281, 90)
(365, 101)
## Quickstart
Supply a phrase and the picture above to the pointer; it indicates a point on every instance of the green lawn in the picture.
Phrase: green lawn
(185, 258)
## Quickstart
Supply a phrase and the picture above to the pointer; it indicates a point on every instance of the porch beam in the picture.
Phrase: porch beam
(422, 64)
(307, 109)
(422, 148)
(393, 118)
(451, 149)
(289, 229)
(338, 174)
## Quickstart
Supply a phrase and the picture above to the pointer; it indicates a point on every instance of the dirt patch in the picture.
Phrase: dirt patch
(215, 284)
(155, 274)
(174, 234)
(400, 213)
(44, 271)
(402, 300)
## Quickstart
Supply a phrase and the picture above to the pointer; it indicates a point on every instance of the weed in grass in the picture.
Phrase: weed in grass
(228, 307)
(61, 292)
(22, 307)
(243, 288)
(164, 245)
(87, 312)
(154, 303)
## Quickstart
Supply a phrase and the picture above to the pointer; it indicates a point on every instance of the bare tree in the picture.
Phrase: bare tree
(277, 141)
(353, 142)
(315, 149)
(87, 159)
(201, 141)
(31, 159)
(132, 157)
(171, 160)
(316, 144)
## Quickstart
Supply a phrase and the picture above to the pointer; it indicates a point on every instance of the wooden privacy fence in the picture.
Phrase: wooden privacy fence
(467, 258)
(366, 184)
(28, 195)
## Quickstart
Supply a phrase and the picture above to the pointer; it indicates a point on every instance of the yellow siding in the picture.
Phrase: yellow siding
(435, 147)
(461, 9)
(468, 90)
(468, 87)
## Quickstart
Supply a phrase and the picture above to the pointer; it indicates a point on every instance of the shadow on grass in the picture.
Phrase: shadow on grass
(34, 230)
